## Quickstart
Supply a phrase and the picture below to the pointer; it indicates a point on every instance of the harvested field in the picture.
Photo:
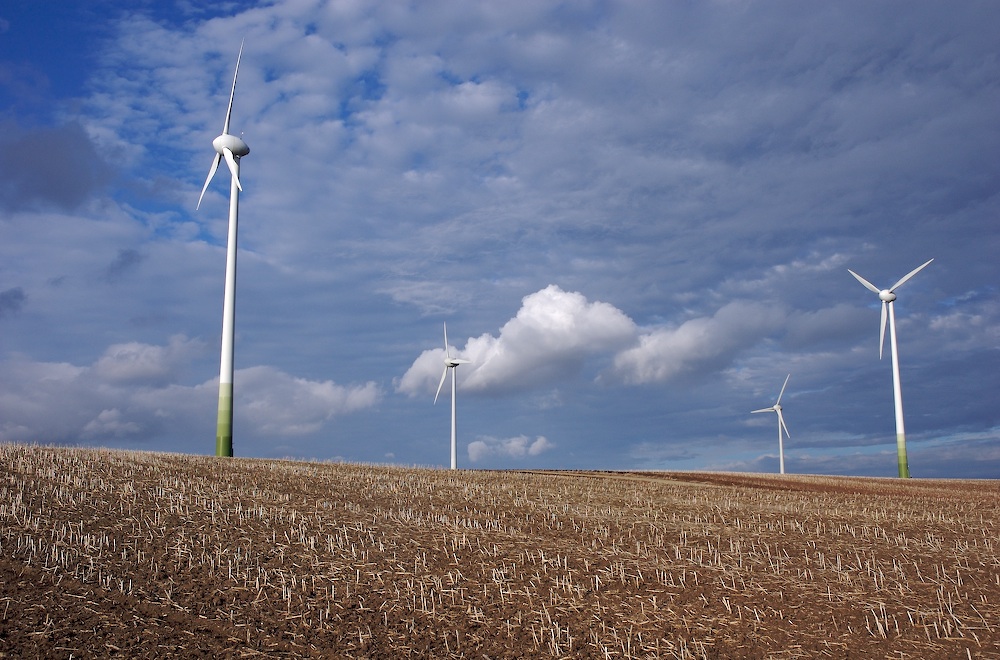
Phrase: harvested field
(131, 554)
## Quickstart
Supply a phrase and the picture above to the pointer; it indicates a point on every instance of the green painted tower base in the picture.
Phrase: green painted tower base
(224, 430)
(904, 465)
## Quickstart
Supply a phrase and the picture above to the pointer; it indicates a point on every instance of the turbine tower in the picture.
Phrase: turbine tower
(781, 424)
(450, 363)
(888, 296)
(232, 148)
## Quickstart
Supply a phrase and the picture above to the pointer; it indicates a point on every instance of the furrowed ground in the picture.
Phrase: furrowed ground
(129, 554)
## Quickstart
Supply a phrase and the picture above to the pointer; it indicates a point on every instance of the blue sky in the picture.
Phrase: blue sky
(636, 219)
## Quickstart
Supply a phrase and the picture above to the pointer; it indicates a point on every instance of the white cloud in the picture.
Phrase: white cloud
(550, 338)
(141, 364)
(126, 393)
(700, 343)
(518, 447)
(45, 401)
(280, 404)
(968, 326)
(109, 424)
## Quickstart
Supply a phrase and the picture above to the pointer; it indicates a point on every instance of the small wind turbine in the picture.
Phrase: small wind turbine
(232, 148)
(781, 424)
(888, 296)
(450, 363)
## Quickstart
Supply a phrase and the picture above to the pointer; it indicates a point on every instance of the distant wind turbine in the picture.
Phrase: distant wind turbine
(450, 363)
(781, 424)
(232, 148)
(888, 296)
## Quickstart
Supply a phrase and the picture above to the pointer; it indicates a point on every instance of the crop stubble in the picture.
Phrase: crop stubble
(134, 554)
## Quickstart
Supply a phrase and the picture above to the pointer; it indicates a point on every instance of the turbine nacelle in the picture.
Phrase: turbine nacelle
(887, 296)
(230, 147)
(449, 363)
(776, 408)
(234, 143)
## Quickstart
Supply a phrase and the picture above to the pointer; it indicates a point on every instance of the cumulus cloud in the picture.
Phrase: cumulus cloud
(555, 332)
(550, 338)
(131, 392)
(45, 401)
(702, 343)
(109, 424)
(143, 364)
(278, 403)
(518, 447)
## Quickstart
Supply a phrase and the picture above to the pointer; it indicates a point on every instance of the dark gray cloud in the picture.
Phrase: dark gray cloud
(128, 260)
(49, 167)
(11, 301)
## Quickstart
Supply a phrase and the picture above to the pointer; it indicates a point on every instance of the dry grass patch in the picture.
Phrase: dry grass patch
(142, 554)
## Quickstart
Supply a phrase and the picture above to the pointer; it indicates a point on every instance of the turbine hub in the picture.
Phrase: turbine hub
(885, 295)
(233, 143)
(777, 407)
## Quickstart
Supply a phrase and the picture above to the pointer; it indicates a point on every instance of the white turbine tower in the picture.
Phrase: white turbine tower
(781, 424)
(450, 363)
(888, 296)
(232, 148)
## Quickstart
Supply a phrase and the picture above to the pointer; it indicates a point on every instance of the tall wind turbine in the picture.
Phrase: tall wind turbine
(232, 148)
(888, 296)
(781, 424)
(450, 363)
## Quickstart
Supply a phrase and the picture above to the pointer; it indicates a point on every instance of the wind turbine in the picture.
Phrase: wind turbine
(450, 363)
(888, 296)
(781, 424)
(232, 148)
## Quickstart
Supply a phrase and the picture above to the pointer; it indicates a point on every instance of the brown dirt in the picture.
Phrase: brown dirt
(129, 554)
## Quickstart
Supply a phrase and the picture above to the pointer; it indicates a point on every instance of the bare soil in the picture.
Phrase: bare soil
(131, 554)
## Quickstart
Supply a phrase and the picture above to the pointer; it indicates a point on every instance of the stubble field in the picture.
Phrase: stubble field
(131, 554)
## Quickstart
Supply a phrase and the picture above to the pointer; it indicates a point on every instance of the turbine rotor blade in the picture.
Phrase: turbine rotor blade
(781, 425)
(762, 410)
(447, 351)
(444, 374)
(211, 173)
(868, 285)
(234, 169)
(229, 112)
(782, 389)
(906, 277)
(881, 334)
